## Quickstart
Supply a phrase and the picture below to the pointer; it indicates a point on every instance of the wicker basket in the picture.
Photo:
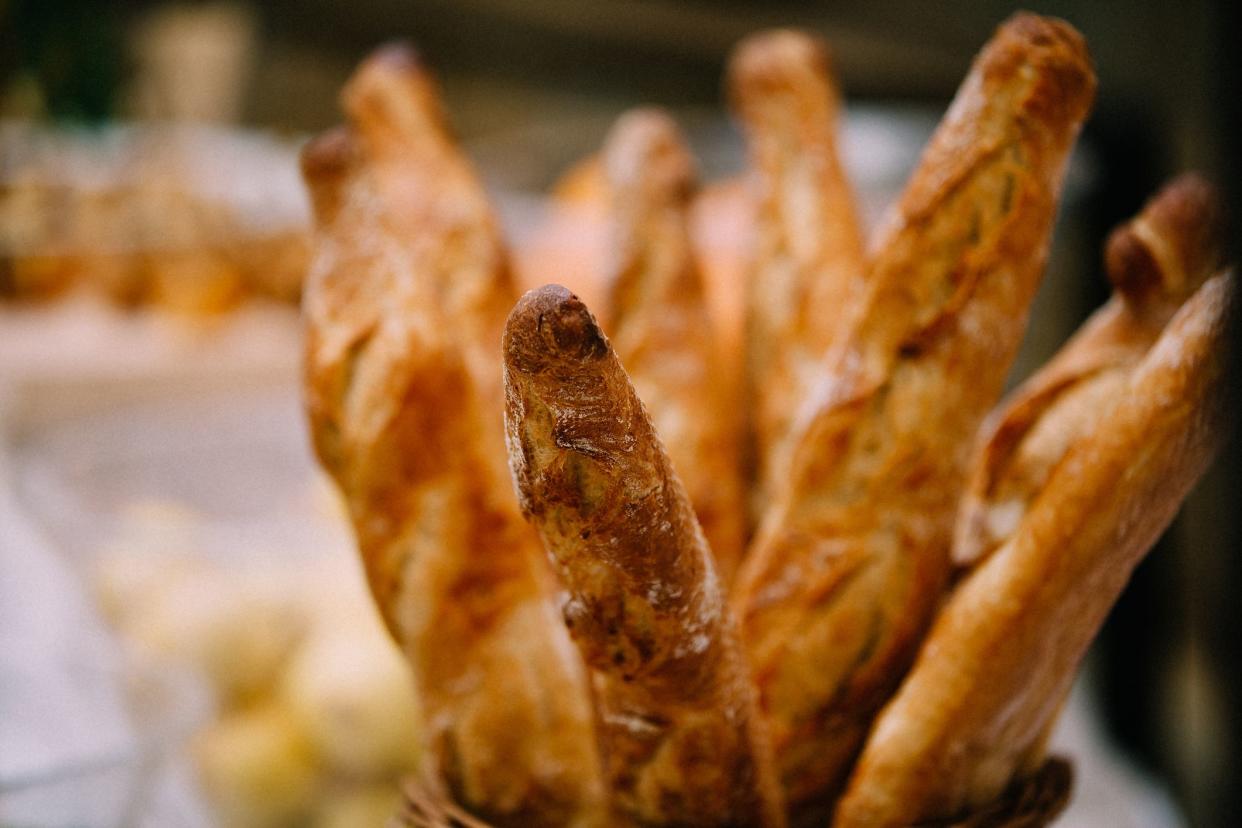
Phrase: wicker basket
(1031, 803)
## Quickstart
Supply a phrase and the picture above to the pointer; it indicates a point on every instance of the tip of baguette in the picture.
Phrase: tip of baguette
(394, 62)
(1053, 49)
(396, 56)
(1171, 246)
(1048, 36)
(393, 89)
(645, 145)
(778, 62)
(549, 325)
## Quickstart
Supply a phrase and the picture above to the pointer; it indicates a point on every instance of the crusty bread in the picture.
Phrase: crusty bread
(1155, 262)
(400, 306)
(808, 259)
(678, 724)
(995, 668)
(660, 327)
(657, 697)
(852, 557)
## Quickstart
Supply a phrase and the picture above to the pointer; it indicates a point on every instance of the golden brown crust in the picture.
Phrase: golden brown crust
(402, 417)
(808, 260)
(1004, 650)
(1161, 257)
(852, 558)
(660, 325)
(432, 193)
(678, 722)
(1156, 261)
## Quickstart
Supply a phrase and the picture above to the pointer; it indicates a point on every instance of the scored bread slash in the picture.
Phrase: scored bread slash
(1155, 262)
(970, 718)
(405, 414)
(679, 731)
(808, 261)
(660, 325)
(853, 556)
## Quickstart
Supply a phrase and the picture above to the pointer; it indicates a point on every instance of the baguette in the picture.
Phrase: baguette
(808, 258)
(1155, 262)
(402, 417)
(970, 718)
(660, 325)
(678, 726)
(434, 198)
(854, 554)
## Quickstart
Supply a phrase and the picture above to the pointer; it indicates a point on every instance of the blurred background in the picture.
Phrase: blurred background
(152, 242)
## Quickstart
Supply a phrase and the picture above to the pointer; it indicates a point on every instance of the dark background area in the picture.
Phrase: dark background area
(1170, 99)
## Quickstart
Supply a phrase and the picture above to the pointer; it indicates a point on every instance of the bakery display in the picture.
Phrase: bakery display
(906, 619)
(189, 219)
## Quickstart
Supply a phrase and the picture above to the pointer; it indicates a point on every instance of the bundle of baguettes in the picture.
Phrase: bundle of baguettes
(650, 665)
